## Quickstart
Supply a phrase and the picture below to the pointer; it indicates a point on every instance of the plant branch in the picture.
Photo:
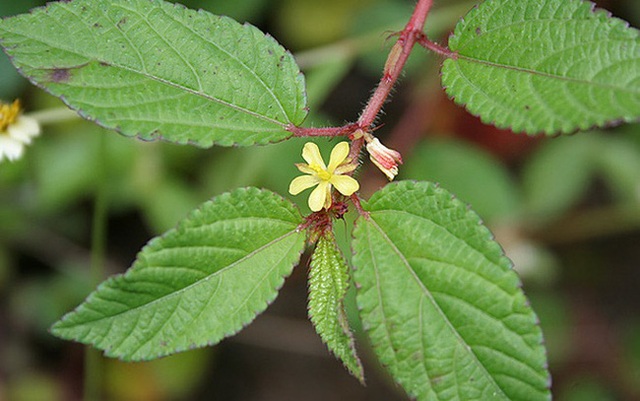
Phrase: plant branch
(441, 50)
(407, 38)
(395, 62)
(344, 130)
(356, 203)
(440, 21)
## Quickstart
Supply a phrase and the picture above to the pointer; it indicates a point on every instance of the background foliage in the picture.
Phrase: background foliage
(566, 210)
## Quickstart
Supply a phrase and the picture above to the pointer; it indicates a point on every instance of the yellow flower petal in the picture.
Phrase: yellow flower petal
(327, 199)
(311, 154)
(301, 183)
(345, 168)
(344, 184)
(304, 168)
(318, 197)
(338, 155)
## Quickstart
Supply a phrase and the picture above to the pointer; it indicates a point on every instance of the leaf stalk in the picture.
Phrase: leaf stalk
(398, 56)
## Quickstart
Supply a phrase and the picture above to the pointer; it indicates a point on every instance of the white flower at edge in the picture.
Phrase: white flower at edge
(16, 131)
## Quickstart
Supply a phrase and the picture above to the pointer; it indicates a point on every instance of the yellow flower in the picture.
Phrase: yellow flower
(324, 176)
(16, 131)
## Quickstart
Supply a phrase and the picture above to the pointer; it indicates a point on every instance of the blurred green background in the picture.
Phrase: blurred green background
(566, 210)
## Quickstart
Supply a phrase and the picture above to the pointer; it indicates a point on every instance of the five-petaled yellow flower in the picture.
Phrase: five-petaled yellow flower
(324, 176)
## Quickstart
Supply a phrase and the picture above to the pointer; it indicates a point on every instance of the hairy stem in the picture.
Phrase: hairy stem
(356, 203)
(441, 50)
(440, 21)
(330, 131)
(395, 62)
(407, 38)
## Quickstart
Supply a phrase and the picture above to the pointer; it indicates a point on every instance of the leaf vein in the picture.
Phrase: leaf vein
(437, 307)
(245, 66)
(548, 75)
(187, 288)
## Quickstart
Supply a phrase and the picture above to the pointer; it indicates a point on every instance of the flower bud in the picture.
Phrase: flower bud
(385, 159)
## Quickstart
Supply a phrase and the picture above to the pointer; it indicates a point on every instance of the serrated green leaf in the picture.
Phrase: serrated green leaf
(196, 284)
(440, 301)
(11, 83)
(544, 66)
(152, 69)
(328, 284)
(240, 10)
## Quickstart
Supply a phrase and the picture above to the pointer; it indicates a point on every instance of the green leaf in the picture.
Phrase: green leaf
(440, 301)
(544, 66)
(198, 283)
(240, 10)
(328, 284)
(12, 83)
(152, 69)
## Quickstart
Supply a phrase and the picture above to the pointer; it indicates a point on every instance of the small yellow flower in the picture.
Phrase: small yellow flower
(324, 176)
(16, 131)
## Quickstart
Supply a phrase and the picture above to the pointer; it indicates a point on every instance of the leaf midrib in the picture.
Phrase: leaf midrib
(519, 25)
(95, 59)
(187, 288)
(546, 75)
(230, 55)
(431, 221)
(429, 296)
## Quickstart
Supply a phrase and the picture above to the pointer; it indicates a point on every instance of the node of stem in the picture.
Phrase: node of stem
(407, 38)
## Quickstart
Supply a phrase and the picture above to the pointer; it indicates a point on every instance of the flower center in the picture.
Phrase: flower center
(321, 173)
(8, 114)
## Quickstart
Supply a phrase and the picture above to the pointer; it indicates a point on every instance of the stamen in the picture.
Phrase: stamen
(8, 114)
(320, 172)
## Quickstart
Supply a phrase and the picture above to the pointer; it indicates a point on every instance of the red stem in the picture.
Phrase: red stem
(356, 146)
(441, 50)
(410, 35)
(330, 131)
(356, 202)
(395, 62)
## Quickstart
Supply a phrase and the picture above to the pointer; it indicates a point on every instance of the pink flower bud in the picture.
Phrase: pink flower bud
(385, 159)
